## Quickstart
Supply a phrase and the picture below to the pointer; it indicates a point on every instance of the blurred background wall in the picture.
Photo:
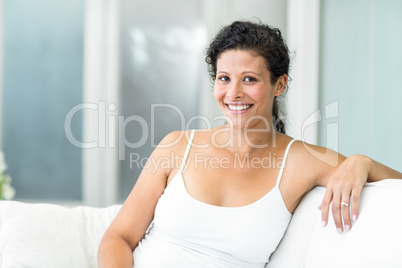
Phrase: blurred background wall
(360, 67)
(113, 69)
(42, 79)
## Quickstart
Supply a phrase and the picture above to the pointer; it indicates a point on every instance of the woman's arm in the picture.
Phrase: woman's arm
(343, 178)
(376, 170)
(114, 251)
(136, 214)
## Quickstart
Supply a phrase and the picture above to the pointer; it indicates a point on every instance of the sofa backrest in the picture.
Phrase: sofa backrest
(375, 239)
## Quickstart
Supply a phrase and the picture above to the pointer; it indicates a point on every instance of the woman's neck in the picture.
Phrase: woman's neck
(245, 140)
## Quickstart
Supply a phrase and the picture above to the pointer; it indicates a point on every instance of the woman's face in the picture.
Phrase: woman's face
(243, 89)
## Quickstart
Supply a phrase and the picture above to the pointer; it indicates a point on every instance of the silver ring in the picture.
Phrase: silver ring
(344, 204)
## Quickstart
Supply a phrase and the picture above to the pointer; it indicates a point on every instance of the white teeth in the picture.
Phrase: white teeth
(238, 107)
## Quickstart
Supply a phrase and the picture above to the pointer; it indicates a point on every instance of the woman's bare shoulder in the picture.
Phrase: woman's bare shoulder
(173, 142)
(315, 161)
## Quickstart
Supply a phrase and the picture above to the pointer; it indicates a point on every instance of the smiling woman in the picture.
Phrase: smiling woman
(233, 216)
(275, 58)
(243, 87)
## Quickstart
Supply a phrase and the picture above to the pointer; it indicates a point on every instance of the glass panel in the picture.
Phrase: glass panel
(42, 81)
(360, 67)
(162, 63)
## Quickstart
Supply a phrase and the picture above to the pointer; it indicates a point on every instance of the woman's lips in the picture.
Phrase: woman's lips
(238, 108)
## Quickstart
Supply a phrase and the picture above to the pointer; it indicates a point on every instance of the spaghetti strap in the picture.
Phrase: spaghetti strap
(190, 141)
(283, 163)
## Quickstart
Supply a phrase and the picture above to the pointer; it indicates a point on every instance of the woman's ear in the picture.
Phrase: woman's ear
(281, 84)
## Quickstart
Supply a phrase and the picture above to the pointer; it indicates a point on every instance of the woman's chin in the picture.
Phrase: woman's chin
(236, 124)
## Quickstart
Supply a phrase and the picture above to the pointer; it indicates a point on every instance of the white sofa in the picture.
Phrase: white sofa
(45, 235)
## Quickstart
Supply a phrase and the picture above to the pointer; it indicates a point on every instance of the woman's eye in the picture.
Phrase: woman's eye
(224, 78)
(250, 79)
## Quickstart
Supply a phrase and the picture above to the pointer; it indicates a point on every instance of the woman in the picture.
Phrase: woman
(230, 199)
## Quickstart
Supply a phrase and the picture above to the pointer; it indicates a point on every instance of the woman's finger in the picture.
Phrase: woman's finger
(326, 201)
(336, 211)
(345, 209)
(355, 203)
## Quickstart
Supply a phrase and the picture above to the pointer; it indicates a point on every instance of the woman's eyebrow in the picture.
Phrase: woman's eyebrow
(223, 72)
(251, 72)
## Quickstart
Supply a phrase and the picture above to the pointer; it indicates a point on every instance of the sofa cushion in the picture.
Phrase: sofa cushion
(46, 235)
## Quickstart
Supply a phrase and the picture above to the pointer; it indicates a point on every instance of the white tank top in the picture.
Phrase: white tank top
(189, 233)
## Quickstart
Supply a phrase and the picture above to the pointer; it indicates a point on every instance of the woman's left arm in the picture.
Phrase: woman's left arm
(344, 185)
(378, 171)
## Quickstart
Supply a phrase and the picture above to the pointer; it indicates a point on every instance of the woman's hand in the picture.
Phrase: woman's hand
(343, 190)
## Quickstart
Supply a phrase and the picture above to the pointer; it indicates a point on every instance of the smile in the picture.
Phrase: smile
(238, 107)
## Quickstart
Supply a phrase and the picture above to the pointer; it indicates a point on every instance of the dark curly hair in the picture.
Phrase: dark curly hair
(258, 38)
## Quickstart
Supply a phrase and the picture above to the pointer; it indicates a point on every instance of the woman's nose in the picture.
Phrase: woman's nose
(235, 91)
